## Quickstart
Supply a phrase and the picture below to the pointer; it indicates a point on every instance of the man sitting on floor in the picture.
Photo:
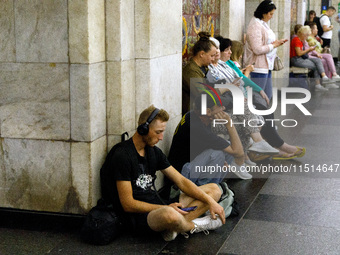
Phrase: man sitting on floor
(195, 148)
(129, 175)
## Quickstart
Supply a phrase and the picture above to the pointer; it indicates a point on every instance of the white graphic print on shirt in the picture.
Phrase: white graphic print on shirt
(144, 181)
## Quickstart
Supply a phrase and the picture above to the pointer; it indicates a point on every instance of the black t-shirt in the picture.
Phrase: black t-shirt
(191, 138)
(127, 165)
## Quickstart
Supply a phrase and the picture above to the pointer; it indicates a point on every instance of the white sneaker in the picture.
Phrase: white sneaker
(263, 147)
(318, 87)
(169, 235)
(240, 171)
(205, 224)
(331, 86)
(326, 80)
(336, 78)
(249, 162)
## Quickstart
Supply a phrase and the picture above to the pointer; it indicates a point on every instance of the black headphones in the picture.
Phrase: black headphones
(143, 129)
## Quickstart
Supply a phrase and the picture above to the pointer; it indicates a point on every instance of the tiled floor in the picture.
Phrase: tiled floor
(287, 213)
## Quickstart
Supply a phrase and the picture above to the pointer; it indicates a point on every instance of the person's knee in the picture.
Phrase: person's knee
(164, 218)
(214, 191)
(238, 154)
(170, 216)
(215, 157)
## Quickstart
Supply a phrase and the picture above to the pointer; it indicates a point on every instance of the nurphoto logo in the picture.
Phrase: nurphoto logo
(238, 104)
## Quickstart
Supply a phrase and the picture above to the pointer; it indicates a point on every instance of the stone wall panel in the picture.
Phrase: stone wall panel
(120, 36)
(158, 28)
(34, 101)
(88, 113)
(37, 175)
(159, 82)
(7, 32)
(41, 31)
(86, 161)
(86, 31)
(121, 97)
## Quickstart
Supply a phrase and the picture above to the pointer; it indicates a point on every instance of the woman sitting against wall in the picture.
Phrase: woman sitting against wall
(318, 52)
(218, 70)
(204, 51)
(299, 57)
(268, 132)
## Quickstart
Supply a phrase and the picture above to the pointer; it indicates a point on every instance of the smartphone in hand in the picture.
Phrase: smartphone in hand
(189, 209)
(236, 80)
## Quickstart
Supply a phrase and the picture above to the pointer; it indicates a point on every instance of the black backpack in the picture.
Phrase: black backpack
(101, 225)
(318, 24)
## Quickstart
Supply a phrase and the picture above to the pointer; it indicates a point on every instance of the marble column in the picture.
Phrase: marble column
(280, 24)
(52, 104)
(158, 51)
(232, 15)
(120, 55)
(74, 76)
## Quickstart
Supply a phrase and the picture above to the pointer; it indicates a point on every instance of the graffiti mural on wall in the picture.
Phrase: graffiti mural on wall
(198, 15)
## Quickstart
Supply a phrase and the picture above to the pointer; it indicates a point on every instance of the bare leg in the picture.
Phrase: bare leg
(211, 189)
(256, 137)
(167, 218)
(288, 148)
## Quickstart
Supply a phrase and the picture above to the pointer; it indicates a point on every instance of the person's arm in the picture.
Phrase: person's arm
(189, 74)
(247, 82)
(132, 205)
(300, 52)
(312, 51)
(247, 70)
(255, 41)
(254, 38)
(325, 26)
(235, 148)
(191, 189)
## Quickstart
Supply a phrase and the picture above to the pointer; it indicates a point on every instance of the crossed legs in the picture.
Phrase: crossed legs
(167, 218)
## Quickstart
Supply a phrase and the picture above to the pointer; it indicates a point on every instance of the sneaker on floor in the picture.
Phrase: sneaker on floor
(331, 86)
(336, 78)
(326, 80)
(263, 147)
(319, 87)
(240, 171)
(169, 235)
(206, 223)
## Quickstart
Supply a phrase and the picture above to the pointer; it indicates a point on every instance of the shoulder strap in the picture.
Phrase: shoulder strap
(151, 158)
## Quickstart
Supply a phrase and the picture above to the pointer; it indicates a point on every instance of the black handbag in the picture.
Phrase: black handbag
(102, 225)
(305, 56)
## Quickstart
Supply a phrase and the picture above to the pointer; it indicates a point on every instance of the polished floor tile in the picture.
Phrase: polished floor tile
(252, 237)
(299, 186)
(305, 211)
(245, 193)
(15, 241)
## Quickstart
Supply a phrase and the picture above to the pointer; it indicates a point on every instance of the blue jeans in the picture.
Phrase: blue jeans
(264, 80)
(207, 167)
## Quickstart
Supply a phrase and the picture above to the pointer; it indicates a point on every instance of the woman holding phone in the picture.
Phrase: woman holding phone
(220, 71)
(299, 57)
(261, 44)
(326, 58)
